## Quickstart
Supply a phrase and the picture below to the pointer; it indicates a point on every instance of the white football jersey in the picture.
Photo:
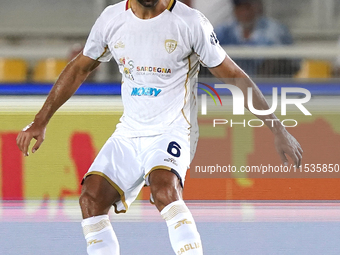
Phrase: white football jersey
(159, 61)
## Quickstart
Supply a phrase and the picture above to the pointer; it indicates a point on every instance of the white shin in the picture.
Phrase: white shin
(183, 233)
(99, 235)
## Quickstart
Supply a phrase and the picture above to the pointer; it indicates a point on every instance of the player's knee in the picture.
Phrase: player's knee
(165, 188)
(87, 203)
(164, 195)
(93, 205)
(97, 196)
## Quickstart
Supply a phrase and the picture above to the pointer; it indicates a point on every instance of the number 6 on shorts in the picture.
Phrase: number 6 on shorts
(174, 149)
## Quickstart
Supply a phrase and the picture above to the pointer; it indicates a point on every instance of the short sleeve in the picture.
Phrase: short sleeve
(205, 42)
(96, 46)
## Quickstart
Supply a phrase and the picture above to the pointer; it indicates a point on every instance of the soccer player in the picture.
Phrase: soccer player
(158, 45)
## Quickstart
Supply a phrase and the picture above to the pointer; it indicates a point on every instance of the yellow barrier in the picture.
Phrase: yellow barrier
(13, 70)
(48, 70)
(73, 139)
(315, 69)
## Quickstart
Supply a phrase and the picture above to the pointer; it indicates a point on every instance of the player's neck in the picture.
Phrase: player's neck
(143, 12)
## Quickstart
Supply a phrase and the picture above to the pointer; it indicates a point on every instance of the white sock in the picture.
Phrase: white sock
(182, 229)
(99, 235)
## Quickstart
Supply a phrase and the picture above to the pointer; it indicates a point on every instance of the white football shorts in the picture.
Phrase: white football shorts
(127, 162)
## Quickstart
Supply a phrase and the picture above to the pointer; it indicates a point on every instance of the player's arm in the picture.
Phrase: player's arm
(285, 143)
(68, 82)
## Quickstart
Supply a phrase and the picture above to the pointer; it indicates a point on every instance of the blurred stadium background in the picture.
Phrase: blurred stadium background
(38, 208)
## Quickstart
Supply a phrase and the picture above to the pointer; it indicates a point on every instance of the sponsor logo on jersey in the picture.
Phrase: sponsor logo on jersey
(128, 66)
(213, 38)
(170, 46)
(145, 92)
(153, 69)
(171, 160)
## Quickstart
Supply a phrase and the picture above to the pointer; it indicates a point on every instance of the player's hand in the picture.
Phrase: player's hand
(286, 144)
(31, 131)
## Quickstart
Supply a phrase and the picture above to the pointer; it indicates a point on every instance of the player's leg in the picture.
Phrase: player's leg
(114, 178)
(95, 201)
(97, 196)
(166, 189)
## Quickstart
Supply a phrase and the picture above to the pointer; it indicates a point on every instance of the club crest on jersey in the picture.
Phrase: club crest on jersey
(170, 46)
